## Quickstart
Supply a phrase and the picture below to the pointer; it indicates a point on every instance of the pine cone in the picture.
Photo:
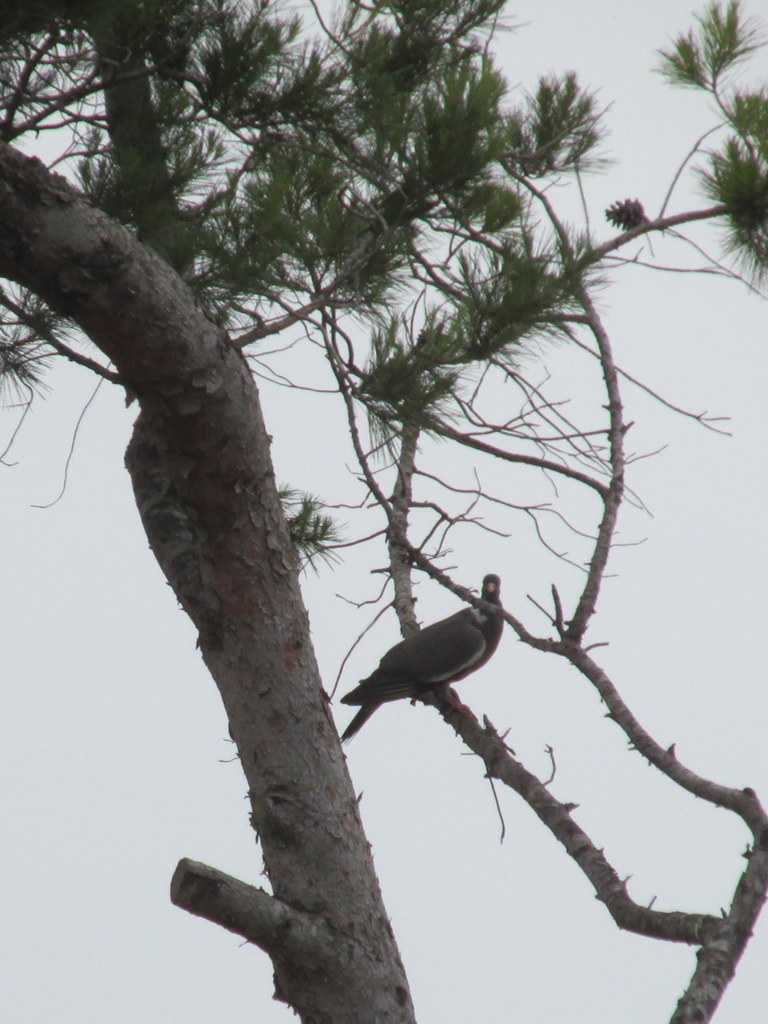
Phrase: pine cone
(626, 215)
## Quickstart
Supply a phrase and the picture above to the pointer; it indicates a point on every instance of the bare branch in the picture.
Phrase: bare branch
(615, 492)
(558, 818)
(722, 949)
(251, 913)
(741, 802)
(701, 417)
(71, 451)
(50, 338)
(660, 224)
(397, 532)
(444, 430)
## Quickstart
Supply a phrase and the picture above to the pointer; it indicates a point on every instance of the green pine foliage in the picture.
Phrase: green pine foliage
(510, 295)
(409, 380)
(701, 57)
(557, 130)
(736, 174)
(738, 177)
(372, 166)
(25, 326)
(314, 533)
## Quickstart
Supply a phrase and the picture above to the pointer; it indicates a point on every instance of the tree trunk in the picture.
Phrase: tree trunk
(204, 485)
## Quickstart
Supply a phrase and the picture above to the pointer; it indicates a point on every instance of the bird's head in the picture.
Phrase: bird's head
(491, 588)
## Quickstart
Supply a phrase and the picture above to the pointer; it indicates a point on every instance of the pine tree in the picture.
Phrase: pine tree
(368, 188)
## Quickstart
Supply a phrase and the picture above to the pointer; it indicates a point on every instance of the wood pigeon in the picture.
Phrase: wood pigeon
(431, 659)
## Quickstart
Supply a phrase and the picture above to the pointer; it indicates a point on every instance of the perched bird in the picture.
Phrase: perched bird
(431, 659)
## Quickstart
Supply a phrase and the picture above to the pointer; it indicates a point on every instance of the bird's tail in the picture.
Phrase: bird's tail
(358, 721)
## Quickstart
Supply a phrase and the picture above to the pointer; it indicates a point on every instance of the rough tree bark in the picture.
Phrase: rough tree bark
(204, 485)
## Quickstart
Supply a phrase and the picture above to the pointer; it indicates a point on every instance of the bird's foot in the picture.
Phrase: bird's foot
(456, 701)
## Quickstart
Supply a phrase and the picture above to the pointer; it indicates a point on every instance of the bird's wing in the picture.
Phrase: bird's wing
(436, 654)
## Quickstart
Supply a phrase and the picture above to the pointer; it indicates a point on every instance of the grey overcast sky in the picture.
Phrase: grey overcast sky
(113, 741)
